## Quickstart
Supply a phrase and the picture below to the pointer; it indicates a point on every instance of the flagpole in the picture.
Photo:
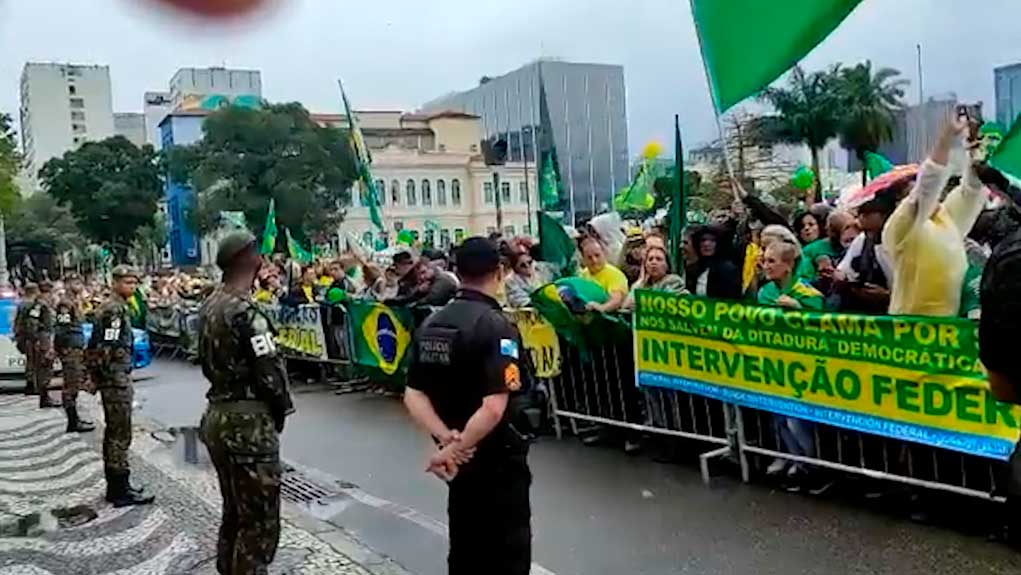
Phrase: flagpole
(712, 94)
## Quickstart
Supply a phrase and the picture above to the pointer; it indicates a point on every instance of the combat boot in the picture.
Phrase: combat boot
(123, 495)
(111, 490)
(74, 424)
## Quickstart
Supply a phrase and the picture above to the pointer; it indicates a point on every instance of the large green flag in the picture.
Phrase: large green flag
(555, 246)
(1007, 155)
(269, 231)
(297, 251)
(549, 183)
(746, 44)
(380, 336)
(363, 159)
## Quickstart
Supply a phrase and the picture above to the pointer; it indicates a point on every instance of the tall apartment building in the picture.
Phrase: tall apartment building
(131, 125)
(62, 106)
(578, 109)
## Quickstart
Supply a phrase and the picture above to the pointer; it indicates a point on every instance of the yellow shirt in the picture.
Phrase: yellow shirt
(609, 278)
(925, 240)
(309, 294)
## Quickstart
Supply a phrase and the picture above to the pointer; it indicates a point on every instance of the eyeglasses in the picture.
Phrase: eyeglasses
(524, 263)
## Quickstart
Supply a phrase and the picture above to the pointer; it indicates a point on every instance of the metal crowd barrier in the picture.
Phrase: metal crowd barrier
(598, 387)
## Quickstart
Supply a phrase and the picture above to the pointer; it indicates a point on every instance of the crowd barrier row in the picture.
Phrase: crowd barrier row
(599, 385)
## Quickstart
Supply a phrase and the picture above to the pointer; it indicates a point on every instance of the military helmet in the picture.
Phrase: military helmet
(125, 271)
(231, 245)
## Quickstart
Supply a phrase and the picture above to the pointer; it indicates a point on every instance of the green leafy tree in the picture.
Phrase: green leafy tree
(869, 103)
(111, 186)
(42, 225)
(808, 112)
(151, 238)
(10, 164)
(249, 156)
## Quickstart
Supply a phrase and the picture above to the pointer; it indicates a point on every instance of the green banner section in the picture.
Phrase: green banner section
(911, 378)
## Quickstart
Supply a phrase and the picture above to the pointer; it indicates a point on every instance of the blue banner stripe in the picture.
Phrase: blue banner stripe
(990, 447)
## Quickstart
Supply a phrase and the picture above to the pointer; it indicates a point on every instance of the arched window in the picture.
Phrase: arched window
(367, 240)
(441, 192)
(505, 192)
(395, 193)
(427, 193)
(409, 192)
(380, 192)
(455, 191)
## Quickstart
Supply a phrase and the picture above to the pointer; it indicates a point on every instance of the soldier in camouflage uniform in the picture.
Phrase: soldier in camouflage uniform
(38, 333)
(27, 301)
(248, 402)
(70, 345)
(109, 357)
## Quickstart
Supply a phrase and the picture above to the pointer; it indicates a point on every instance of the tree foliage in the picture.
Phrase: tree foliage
(111, 187)
(43, 226)
(869, 102)
(248, 156)
(808, 111)
(10, 164)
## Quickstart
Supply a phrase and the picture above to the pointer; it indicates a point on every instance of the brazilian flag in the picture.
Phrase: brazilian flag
(563, 302)
(381, 336)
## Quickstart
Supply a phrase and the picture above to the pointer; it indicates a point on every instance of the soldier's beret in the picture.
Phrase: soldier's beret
(124, 271)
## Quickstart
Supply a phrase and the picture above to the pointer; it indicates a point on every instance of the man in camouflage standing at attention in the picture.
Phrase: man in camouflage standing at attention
(27, 301)
(248, 402)
(110, 361)
(38, 324)
(70, 345)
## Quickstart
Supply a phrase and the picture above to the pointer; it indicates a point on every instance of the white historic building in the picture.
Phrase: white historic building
(434, 182)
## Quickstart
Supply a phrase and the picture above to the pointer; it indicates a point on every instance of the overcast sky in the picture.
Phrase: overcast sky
(402, 53)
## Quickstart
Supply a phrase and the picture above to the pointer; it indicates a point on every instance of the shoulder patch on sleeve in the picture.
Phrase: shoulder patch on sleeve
(509, 348)
(512, 377)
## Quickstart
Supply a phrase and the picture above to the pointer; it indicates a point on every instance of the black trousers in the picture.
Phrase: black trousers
(491, 517)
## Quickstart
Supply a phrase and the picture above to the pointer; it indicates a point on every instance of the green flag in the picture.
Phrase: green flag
(1007, 155)
(876, 165)
(380, 336)
(363, 159)
(269, 231)
(549, 184)
(746, 44)
(678, 204)
(298, 253)
(640, 194)
(562, 303)
(555, 246)
(549, 168)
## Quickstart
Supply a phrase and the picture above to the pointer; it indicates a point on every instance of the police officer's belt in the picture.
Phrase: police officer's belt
(241, 406)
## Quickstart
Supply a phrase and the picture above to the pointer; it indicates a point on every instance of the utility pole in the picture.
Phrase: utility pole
(5, 278)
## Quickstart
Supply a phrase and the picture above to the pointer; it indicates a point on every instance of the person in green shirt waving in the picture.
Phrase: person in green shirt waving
(784, 288)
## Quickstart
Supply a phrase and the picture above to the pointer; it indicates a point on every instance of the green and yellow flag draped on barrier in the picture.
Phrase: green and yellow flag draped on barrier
(911, 378)
(380, 335)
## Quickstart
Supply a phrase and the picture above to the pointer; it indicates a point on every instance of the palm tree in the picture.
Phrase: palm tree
(869, 105)
(808, 112)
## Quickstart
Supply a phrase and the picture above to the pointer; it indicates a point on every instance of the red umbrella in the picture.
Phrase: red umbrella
(856, 196)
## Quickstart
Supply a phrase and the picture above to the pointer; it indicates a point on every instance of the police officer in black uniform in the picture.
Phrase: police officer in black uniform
(464, 382)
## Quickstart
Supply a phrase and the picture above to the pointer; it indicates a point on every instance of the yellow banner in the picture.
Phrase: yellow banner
(541, 340)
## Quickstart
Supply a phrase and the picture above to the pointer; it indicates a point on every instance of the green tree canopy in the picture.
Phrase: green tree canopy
(111, 187)
(248, 156)
(808, 112)
(43, 226)
(10, 164)
(869, 102)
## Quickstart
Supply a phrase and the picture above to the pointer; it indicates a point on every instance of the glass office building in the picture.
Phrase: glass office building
(1008, 93)
(580, 109)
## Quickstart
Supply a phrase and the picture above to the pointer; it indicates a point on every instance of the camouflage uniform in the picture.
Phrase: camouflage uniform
(38, 334)
(21, 344)
(70, 345)
(248, 401)
(109, 357)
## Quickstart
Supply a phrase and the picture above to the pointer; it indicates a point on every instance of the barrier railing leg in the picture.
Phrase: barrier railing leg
(555, 412)
(742, 455)
(703, 461)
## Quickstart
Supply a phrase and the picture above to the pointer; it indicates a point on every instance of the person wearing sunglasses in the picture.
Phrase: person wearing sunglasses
(522, 280)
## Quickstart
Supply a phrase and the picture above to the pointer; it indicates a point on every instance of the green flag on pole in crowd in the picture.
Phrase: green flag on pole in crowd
(640, 194)
(678, 204)
(1007, 155)
(363, 159)
(555, 246)
(297, 252)
(269, 231)
(746, 44)
(549, 183)
(876, 165)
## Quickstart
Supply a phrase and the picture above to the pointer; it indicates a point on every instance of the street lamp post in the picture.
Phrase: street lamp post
(5, 277)
(494, 152)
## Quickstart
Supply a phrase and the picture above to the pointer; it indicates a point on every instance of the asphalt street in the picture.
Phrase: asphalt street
(596, 510)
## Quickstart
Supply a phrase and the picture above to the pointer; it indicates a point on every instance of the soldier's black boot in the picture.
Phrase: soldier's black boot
(75, 425)
(124, 496)
(110, 488)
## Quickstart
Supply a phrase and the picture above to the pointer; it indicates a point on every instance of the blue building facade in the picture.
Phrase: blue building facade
(181, 129)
